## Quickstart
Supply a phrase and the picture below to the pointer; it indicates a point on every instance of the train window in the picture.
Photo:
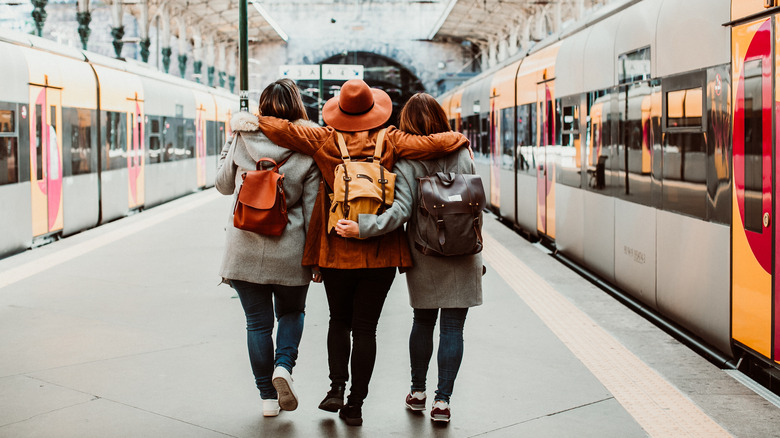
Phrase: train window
(7, 122)
(80, 123)
(154, 154)
(568, 162)
(189, 139)
(754, 169)
(38, 142)
(685, 173)
(9, 152)
(526, 135)
(507, 138)
(719, 152)
(634, 66)
(211, 137)
(684, 108)
(180, 148)
(637, 141)
(114, 139)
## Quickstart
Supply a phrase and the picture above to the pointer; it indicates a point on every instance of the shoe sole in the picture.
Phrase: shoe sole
(332, 405)
(351, 421)
(415, 408)
(270, 414)
(287, 399)
(441, 419)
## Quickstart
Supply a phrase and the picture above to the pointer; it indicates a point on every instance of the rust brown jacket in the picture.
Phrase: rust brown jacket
(331, 250)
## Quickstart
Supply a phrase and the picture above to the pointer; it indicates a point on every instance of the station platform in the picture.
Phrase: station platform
(124, 331)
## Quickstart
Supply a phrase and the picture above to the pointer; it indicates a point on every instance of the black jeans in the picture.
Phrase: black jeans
(355, 299)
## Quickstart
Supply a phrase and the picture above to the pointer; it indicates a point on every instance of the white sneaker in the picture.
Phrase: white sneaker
(282, 381)
(270, 407)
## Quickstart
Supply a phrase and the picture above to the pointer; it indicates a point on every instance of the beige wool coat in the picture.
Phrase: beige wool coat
(433, 282)
(250, 256)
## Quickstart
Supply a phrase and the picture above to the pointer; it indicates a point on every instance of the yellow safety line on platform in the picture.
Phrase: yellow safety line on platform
(39, 265)
(659, 408)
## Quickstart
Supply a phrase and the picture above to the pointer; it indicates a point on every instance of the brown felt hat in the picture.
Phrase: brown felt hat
(357, 107)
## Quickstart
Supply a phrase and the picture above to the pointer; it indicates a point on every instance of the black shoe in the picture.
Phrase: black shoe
(334, 399)
(352, 415)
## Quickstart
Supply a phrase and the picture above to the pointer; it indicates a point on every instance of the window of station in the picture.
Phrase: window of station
(9, 151)
(634, 66)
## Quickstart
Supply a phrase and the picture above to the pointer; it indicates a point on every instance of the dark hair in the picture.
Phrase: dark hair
(423, 115)
(282, 99)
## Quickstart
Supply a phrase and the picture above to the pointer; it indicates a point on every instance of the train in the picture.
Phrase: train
(86, 139)
(639, 144)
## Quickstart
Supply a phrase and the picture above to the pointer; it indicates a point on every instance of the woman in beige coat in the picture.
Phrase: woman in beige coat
(266, 271)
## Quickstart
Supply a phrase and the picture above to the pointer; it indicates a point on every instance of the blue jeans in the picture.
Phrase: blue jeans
(260, 302)
(450, 348)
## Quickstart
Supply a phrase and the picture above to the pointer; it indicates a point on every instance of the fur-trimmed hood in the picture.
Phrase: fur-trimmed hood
(247, 122)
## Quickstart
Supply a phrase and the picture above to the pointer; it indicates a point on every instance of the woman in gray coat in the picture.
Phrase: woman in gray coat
(266, 271)
(446, 285)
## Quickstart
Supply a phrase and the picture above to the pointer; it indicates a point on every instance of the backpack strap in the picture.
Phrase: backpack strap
(380, 142)
(343, 147)
(345, 157)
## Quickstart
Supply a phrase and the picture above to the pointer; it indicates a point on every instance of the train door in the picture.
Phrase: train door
(545, 169)
(46, 159)
(135, 153)
(495, 153)
(752, 246)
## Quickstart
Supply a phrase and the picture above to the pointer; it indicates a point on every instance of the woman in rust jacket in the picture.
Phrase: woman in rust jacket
(357, 273)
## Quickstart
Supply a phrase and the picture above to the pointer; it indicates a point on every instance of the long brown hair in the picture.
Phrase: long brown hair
(283, 100)
(422, 115)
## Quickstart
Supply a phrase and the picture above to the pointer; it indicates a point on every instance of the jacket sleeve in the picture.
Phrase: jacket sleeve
(374, 225)
(311, 185)
(426, 147)
(304, 139)
(225, 180)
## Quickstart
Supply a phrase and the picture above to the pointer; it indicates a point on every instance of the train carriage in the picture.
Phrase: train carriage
(622, 143)
(86, 139)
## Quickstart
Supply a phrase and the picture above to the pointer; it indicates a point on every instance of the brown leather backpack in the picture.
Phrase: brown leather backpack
(360, 187)
(449, 220)
(261, 205)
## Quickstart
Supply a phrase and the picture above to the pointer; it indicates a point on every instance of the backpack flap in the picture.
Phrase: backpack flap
(448, 221)
(260, 188)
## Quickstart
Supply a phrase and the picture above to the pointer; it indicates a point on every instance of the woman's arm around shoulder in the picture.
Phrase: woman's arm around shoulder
(370, 225)
(296, 137)
(425, 147)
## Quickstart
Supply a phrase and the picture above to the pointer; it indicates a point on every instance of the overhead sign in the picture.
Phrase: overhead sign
(330, 72)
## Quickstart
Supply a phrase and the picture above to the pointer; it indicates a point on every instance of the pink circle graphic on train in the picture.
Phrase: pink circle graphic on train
(759, 49)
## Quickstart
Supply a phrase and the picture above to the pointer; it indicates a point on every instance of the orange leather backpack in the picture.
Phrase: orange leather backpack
(261, 206)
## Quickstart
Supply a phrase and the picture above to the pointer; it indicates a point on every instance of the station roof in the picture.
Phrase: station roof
(473, 20)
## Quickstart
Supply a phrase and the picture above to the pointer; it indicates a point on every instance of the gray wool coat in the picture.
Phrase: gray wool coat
(433, 282)
(250, 256)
